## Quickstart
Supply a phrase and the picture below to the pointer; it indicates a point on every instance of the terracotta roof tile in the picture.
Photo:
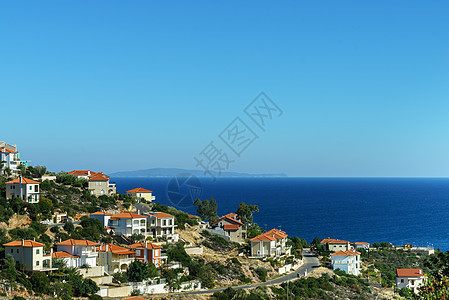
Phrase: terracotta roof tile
(99, 177)
(72, 242)
(160, 215)
(62, 254)
(231, 227)
(142, 245)
(362, 243)
(24, 180)
(101, 213)
(25, 243)
(127, 215)
(409, 272)
(139, 190)
(271, 235)
(349, 252)
(6, 150)
(115, 249)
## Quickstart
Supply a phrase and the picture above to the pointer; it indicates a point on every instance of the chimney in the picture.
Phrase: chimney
(23, 243)
(138, 211)
(146, 243)
(419, 271)
(106, 247)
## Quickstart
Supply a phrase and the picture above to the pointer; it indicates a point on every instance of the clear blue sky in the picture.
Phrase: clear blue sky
(115, 85)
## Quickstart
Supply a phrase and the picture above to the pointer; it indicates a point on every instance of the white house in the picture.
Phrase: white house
(30, 253)
(85, 174)
(362, 245)
(161, 225)
(410, 278)
(348, 261)
(11, 157)
(232, 227)
(141, 193)
(24, 188)
(71, 261)
(128, 224)
(272, 243)
(83, 251)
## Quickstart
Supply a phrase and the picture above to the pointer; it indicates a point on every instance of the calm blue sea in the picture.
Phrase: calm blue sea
(397, 210)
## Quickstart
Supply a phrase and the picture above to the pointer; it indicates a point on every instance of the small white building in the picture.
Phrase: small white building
(83, 251)
(141, 193)
(272, 243)
(71, 261)
(23, 188)
(30, 253)
(348, 261)
(410, 278)
(84, 174)
(11, 157)
(128, 224)
(161, 225)
(362, 245)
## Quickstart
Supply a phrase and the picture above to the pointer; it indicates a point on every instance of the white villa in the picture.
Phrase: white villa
(30, 253)
(128, 224)
(348, 261)
(24, 188)
(11, 157)
(82, 252)
(272, 243)
(85, 174)
(161, 225)
(410, 278)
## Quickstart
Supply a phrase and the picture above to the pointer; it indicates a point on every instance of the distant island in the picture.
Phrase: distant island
(170, 172)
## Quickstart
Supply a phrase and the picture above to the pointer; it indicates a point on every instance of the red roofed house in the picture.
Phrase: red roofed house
(336, 245)
(363, 245)
(162, 225)
(98, 184)
(82, 251)
(24, 188)
(128, 224)
(11, 157)
(141, 193)
(114, 258)
(410, 278)
(85, 174)
(272, 243)
(232, 227)
(29, 253)
(71, 261)
(348, 261)
(149, 253)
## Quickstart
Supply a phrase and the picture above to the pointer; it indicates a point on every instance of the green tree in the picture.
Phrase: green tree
(245, 212)
(178, 253)
(207, 209)
(137, 271)
(9, 272)
(435, 289)
(173, 280)
(40, 282)
(69, 227)
(62, 291)
(152, 271)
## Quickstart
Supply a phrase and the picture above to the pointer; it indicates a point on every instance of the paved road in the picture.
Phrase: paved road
(61, 224)
(311, 262)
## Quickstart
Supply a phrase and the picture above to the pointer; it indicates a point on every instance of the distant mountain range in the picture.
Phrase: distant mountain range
(170, 172)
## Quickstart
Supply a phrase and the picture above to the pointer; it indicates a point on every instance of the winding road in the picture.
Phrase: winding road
(311, 262)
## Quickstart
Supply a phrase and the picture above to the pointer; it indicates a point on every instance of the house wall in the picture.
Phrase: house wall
(412, 283)
(104, 219)
(262, 248)
(23, 191)
(338, 247)
(29, 256)
(87, 254)
(98, 188)
(350, 264)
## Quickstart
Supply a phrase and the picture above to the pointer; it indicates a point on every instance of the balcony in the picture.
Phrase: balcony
(89, 253)
(111, 185)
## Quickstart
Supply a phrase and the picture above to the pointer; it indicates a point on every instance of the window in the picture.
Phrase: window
(412, 282)
(138, 252)
(37, 263)
(164, 222)
(37, 251)
(170, 222)
(31, 187)
(402, 280)
(13, 250)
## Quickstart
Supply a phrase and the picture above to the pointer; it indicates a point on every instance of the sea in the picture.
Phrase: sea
(395, 210)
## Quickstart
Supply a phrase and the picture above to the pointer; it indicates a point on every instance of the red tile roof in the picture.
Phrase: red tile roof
(231, 217)
(409, 272)
(115, 249)
(139, 190)
(338, 242)
(101, 213)
(99, 177)
(193, 217)
(271, 235)
(231, 227)
(72, 242)
(160, 215)
(142, 245)
(61, 254)
(24, 180)
(325, 241)
(25, 243)
(349, 252)
(81, 172)
(6, 150)
(362, 243)
(126, 215)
